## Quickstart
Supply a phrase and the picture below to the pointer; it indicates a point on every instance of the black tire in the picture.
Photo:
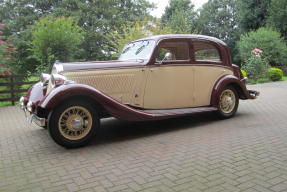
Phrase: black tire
(65, 135)
(225, 113)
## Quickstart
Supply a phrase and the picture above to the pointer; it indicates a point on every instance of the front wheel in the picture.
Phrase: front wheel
(228, 103)
(73, 124)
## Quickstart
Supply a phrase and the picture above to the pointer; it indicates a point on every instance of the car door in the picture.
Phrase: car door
(125, 85)
(170, 80)
(208, 65)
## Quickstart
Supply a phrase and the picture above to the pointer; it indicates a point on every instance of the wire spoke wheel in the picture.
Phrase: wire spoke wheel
(75, 123)
(227, 101)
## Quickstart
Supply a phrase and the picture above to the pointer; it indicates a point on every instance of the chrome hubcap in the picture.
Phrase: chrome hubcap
(77, 123)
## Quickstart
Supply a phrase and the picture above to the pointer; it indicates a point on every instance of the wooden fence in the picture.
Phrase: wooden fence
(12, 85)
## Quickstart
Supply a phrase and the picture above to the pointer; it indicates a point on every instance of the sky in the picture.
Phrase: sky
(161, 4)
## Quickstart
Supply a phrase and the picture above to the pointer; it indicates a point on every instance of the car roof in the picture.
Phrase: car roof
(191, 36)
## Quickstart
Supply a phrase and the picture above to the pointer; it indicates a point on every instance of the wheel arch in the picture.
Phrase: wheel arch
(67, 93)
(228, 80)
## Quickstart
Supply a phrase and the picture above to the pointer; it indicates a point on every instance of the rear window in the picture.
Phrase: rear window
(206, 52)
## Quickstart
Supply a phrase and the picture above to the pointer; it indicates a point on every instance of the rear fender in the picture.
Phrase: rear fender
(229, 80)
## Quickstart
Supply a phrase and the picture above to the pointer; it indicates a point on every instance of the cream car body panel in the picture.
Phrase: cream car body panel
(205, 78)
(124, 85)
(169, 86)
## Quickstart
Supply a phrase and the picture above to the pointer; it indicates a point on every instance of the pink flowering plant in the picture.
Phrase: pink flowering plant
(256, 66)
(257, 52)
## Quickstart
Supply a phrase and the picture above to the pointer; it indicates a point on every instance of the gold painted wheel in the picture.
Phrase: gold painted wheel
(227, 101)
(75, 123)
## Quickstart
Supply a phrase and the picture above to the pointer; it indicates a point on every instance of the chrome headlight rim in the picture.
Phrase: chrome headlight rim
(57, 68)
(30, 106)
(22, 102)
(57, 78)
(44, 77)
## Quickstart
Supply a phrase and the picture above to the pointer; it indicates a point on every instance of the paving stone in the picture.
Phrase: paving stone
(196, 153)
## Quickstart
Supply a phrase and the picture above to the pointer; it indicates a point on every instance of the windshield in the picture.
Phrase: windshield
(138, 50)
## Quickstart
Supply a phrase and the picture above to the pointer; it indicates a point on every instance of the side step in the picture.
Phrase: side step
(181, 111)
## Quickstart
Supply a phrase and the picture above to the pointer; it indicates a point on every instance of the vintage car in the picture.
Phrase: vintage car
(154, 78)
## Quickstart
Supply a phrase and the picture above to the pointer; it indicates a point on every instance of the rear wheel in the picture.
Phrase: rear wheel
(73, 124)
(228, 102)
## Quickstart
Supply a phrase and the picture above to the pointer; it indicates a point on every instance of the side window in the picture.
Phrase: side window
(205, 52)
(179, 51)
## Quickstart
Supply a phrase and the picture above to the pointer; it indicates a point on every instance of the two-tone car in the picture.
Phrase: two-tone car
(154, 78)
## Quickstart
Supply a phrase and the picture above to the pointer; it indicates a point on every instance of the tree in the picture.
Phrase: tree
(217, 18)
(97, 18)
(6, 51)
(56, 39)
(277, 14)
(134, 31)
(272, 44)
(180, 16)
(251, 14)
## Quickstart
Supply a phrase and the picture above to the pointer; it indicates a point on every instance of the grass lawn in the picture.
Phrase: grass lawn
(7, 95)
(264, 80)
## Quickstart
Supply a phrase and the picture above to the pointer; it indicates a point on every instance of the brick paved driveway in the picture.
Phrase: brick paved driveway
(196, 153)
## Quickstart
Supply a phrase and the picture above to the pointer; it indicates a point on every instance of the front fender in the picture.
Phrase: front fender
(112, 106)
(36, 93)
(231, 80)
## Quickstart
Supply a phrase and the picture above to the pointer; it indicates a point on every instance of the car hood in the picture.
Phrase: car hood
(90, 65)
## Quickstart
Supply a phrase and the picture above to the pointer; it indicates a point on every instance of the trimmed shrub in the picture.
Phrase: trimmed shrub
(275, 74)
(243, 72)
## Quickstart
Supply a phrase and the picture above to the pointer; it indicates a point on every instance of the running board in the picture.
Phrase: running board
(176, 112)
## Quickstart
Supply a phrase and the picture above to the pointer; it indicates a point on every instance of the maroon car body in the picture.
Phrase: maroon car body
(203, 53)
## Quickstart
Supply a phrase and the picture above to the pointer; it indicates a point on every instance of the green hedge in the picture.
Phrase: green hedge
(243, 72)
(275, 74)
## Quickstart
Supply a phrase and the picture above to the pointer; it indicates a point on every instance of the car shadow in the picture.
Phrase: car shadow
(114, 130)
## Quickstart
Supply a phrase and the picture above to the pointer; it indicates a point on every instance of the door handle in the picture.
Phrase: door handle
(152, 70)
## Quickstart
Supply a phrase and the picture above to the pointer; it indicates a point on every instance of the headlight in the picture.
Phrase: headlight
(44, 77)
(57, 79)
(21, 101)
(57, 68)
(30, 106)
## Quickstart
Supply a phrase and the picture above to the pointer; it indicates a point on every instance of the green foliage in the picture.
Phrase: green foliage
(6, 51)
(275, 74)
(179, 22)
(180, 16)
(243, 72)
(133, 31)
(56, 39)
(217, 18)
(97, 18)
(277, 14)
(273, 46)
(255, 66)
(251, 15)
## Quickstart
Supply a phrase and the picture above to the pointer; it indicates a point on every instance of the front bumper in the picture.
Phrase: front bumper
(31, 117)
